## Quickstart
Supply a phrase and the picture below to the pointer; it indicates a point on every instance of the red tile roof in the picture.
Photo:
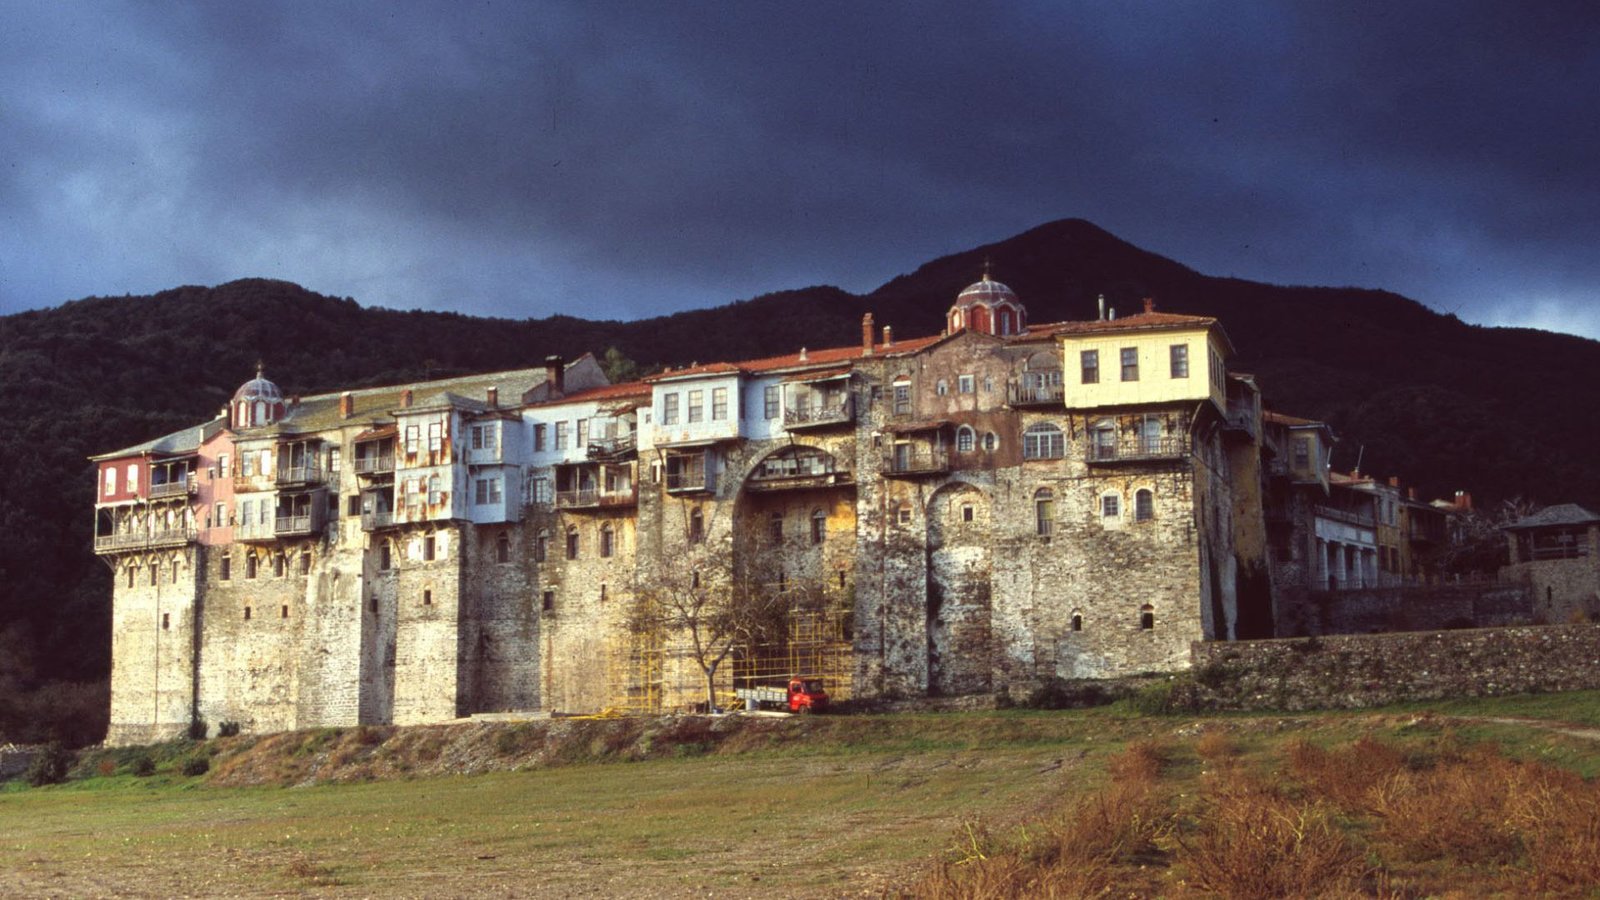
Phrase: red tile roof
(830, 356)
(1277, 418)
(624, 390)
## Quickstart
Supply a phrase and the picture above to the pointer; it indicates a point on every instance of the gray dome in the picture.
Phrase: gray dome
(258, 388)
(987, 293)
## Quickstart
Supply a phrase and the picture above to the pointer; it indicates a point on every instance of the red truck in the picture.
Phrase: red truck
(803, 695)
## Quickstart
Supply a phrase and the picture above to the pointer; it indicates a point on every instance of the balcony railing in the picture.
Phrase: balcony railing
(1034, 394)
(1347, 516)
(168, 537)
(294, 475)
(295, 525)
(611, 448)
(1241, 420)
(255, 531)
(824, 414)
(1143, 449)
(372, 521)
(375, 465)
(799, 481)
(594, 498)
(180, 488)
(485, 456)
(914, 459)
(695, 480)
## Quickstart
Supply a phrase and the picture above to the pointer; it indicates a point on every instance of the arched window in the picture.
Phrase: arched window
(250, 566)
(1077, 620)
(1043, 440)
(991, 442)
(1044, 510)
(775, 526)
(502, 548)
(697, 527)
(1147, 617)
(942, 388)
(572, 542)
(1103, 440)
(966, 438)
(819, 525)
(305, 562)
(1005, 320)
(1144, 505)
(608, 539)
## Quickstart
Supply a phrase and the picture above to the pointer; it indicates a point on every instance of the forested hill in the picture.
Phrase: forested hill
(1443, 404)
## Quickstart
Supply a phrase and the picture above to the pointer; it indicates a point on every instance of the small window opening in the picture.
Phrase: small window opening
(841, 578)
(226, 567)
(166, 621)
(602, 592)
(305, 562)
(427, 598)
(1144, 507)
(250, 566)
(549, 601)
(819, 526)
(502, 549)
(1077, 621)
(967, 512)
(247, 612)
(428, 545)
(283, 612)
(1147, 617)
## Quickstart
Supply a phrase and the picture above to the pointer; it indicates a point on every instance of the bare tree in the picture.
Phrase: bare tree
(712, 604)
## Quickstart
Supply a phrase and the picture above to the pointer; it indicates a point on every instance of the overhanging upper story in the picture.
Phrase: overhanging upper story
(1148, 358)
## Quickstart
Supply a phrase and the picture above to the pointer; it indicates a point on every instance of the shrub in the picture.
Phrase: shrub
(1141, 762)
(1216, 746)
(1347, 776)
(197, 729)
(1251, 841)
(196, 765)
(50, 765)
(1154, 699)
(142, 766)
(227, 729)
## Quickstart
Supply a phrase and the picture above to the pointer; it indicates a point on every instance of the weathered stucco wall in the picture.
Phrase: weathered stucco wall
(1351, 671)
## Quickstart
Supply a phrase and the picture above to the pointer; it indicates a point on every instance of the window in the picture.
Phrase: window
(991, 442)
(1043, 440)
(669, 409)
(583, 433)
(539, 437)
(1044, 511)
(502, 548)
(250, 566)
(384, 559)
(968, 513)
(222, 466)
(769, 401)
(1090, 361)
(561, 436)
(277, 566)
(412, 442)
(965, 439)
(334, 458)
(775, 526)
(427, 598)
(155, 571)
(111, 481)
(572, 542)
(283, 611)
(429, 545)
(1144, 505)
(225, 568)
(541, 547)
(353, 505)
(305, 562)
(902, 397)
(133, 478)
(166, 621)
(539, 490)
(548, 601)
(966, 384)
(942, 387)
(131, 572)
(487, 491)
(483, 437)
(1302, 453)
(819, 526)
(1077, 620)
(697, 527)
(1110, 506)
(719, 404)
(435, 437)
(1147, 617)
(1130, 363)
(222, 515)
(603, 593)
(696, 412)
(1180, 360)
(247, 613)
(607, 541)
(902, 515)
(435, 494)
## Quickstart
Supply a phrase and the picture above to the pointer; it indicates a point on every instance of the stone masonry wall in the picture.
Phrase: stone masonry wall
(1354, 671)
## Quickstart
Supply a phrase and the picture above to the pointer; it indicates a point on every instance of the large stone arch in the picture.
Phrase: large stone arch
(960, 644)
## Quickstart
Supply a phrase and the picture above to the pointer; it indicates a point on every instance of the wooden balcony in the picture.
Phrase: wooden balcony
(612, 449)
(183, 487)
(1347, 516)
(296, 526)
(593, 498)
(299, 476)
(819, 416)
(800, 481)
(689, 482)
(375, 465)
(1137, 450)
(916, 461)
(1240, 421)
(1018, 394)
(168, 537)
(377, 520)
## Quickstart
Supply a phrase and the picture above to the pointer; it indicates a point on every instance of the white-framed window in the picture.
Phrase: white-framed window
(111, 481)
(483, 437)
(583, 433)
(1130, 363)
(966, 439)
(561, 436)
(1111, 506)
(435, 437)
(1043, 440)
(1089, 363)
(695, 407)
(539, 437)
(1144, 505)
(669, 409)
(1044, 511)
(133, 477)
(902, 397)
(966, 384)
(719, 404)
(1180, 360)
(769, 401)
(413, 439)
(942, 387)
(991, 442)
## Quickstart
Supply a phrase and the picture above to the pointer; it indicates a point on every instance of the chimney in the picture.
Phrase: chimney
(347, 405)
(803, 357)
(555, 376)
(1411, 493)
(888, 336)
(866, 335)
(405, 398)
(1394, 481)
(1112, 314)
(1149, 304)
(1463, 500)
(1102, 307)
(493, 396)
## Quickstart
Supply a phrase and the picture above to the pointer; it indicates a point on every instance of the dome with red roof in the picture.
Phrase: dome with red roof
(256, 402)
(989, 307)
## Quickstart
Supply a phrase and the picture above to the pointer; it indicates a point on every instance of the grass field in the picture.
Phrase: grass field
(858, 805)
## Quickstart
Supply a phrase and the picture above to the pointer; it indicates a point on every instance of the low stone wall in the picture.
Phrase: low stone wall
(15, 759)
(1352, 671)
(1411, 608)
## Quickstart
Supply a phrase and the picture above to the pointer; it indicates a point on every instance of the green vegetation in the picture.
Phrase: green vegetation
(1016, 802)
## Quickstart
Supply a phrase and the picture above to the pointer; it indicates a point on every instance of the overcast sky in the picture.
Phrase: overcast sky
(617, 160)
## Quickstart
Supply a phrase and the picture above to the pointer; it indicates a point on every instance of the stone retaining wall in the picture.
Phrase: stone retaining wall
(1351, 671)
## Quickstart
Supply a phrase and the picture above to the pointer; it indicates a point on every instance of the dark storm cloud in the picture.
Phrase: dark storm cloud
(621, 160)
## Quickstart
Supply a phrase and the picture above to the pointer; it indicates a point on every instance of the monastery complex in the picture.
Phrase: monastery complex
(981, 512)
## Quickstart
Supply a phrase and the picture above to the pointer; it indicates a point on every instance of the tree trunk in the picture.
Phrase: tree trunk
(711, 688)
